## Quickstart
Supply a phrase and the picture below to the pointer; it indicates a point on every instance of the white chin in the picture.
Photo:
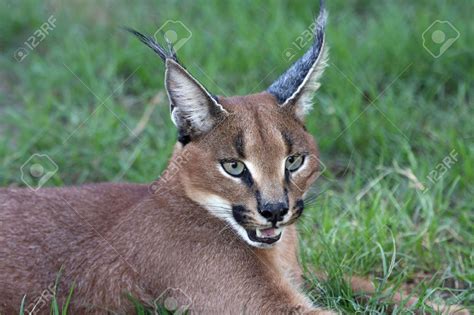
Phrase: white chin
(260, 238)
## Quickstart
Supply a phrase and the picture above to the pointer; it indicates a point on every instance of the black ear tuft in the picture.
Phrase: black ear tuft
(193, 109)
(164, 54)
(296, 86)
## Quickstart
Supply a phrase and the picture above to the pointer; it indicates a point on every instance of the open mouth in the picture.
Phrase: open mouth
(267, 236)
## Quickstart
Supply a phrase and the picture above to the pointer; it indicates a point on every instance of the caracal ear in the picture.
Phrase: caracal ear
(294, 89)
(193, 109)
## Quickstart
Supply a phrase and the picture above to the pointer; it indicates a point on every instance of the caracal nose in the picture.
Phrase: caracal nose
(274, 212)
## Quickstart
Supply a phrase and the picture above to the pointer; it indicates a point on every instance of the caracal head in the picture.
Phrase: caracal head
(251, 159)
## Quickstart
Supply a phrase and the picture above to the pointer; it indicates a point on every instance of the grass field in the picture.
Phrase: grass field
(394, 123)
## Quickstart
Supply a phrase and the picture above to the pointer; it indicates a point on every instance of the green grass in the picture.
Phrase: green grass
(387, 115)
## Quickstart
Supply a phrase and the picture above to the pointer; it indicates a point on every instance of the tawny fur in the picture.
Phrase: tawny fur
(113, 239)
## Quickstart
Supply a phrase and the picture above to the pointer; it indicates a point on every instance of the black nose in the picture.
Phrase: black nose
(274, 212)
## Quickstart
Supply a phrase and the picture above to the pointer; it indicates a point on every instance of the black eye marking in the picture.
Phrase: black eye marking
(286, 196)
(247, 178)
(288, 141)
(287, 176)
(239, 145)
(258, 197)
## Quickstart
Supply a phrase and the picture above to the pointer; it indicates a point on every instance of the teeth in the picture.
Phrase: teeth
(268, 233)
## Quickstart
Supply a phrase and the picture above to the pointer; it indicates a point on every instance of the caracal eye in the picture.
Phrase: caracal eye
(234, 168)
(294, 162)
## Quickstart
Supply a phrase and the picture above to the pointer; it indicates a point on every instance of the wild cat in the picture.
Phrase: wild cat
(216, 232)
